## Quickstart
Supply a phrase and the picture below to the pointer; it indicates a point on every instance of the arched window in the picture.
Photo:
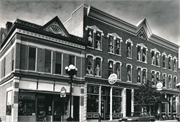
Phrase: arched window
(110, 66)
(175, 63)
(98, 66)
(89, 67)
(144, 75)
(129, 48)
(164, 79)
(170, 81)
(169, 62)
(142, 52)
(164, 56)
(129, 72)
(153, 77)
(138, 74)
(118, 69)
(174, 82)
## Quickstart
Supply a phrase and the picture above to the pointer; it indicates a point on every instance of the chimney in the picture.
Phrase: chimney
(8, 26)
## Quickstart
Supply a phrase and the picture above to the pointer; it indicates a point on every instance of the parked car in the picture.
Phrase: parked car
(138, 117)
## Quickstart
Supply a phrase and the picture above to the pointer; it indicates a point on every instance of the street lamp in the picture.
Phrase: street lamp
(71, 70)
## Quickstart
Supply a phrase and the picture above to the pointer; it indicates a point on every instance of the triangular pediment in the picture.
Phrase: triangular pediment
(142, 34)
(55, 26)
(143, 30)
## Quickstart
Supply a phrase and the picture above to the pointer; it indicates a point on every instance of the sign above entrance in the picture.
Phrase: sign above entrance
(159, 86)
(63, 92)
(112, 78)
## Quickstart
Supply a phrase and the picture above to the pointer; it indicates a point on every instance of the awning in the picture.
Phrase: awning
(162, 99)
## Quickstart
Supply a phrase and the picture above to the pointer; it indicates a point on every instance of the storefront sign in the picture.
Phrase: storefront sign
(63, 92)
(159, 86)
(112, 78)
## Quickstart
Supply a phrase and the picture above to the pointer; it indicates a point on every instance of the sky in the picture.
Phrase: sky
(163, 16)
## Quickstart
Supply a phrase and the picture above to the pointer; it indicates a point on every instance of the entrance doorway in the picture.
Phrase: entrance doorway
(128, 102)
(76, 108)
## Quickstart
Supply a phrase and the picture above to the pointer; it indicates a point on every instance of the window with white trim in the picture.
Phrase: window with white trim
(164, 56)
(129, 72)
(97, 66)
(169, 62)
(114, 43)
(175, 63)
(129, 44)
(157, 76)
(153, 77)
(174, 82)
(48, 61)
(94, 37)
(170, 81)
(32, 58)
(89, 67)
(58, 63)
(111, 44)
(144, 75)
(118, 69)
(155, 57)
(164, 79)
(138, 74)
(110, 67)
(142, 52)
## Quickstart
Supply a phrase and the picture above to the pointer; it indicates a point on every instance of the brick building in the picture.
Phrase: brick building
(133, 54)
(32, 62)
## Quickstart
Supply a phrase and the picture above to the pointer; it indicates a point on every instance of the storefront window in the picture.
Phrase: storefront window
(9, 103)
(174, 104)
(26, 104)
(93, 98)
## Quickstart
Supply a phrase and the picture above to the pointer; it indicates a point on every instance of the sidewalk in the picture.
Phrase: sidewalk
(166, 121)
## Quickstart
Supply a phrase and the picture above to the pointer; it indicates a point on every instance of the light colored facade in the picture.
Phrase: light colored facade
(132, 52)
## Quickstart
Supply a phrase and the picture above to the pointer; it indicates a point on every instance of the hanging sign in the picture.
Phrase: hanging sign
(63, 92)
(159, 86)
(112, 78)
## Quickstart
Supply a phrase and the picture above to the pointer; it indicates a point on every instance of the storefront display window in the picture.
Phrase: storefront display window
(9, 103)
(26, 104)
(93, 98)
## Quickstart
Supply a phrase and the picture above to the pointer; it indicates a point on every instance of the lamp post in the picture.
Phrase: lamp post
(71, 70)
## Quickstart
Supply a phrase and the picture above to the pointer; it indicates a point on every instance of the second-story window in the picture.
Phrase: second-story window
(32, 58)
(138, 75)
(71, 59)
(98, 67)
(129, 72)
(118, 69)
(174, 82)
(58, 63)
(110, 65)
(47, 61)
(157, 76)
(89, 68)
(170, 81)
(153, 78)
(164, 79)
(144, 75)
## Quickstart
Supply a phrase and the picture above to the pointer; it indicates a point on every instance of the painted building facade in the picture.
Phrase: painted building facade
(133, 53)
(32, 61)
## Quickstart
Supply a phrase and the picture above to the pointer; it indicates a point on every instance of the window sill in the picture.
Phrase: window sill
(114, 54)
(129, 58)
(129, 81)
(98, 49)
(90, 74)
(90, 47)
